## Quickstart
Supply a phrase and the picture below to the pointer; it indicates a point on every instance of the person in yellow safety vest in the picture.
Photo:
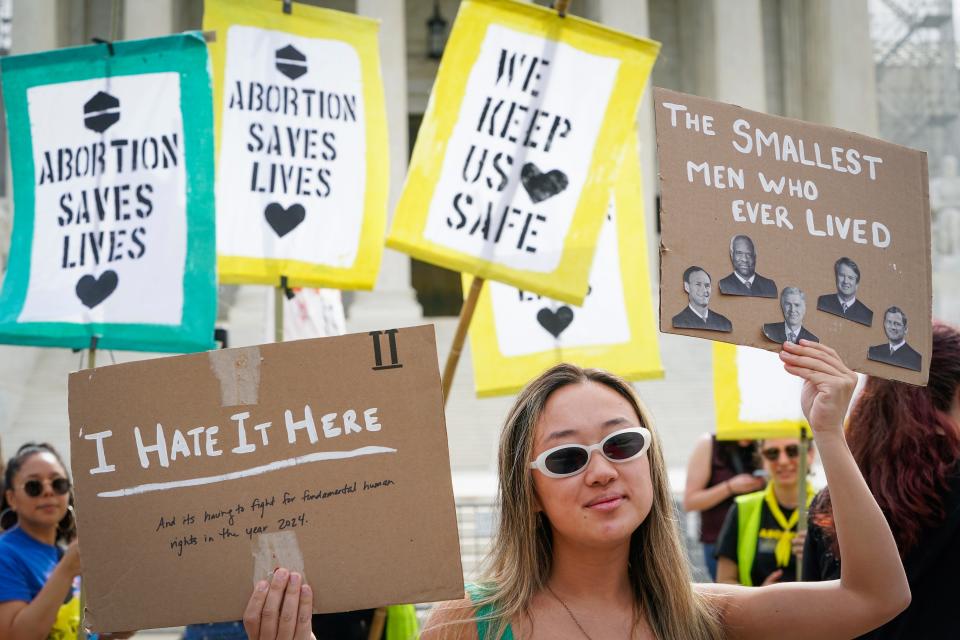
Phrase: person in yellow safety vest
(758, 542)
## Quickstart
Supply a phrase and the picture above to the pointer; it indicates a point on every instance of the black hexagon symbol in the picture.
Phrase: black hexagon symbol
(100, 112)
(290, 62)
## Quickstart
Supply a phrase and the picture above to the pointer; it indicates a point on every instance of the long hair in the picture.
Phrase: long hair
(67, 527)
(740, 459)
(906, 445)
(521, 559)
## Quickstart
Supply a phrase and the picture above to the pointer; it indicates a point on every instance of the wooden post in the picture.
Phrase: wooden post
(81, 628)
(378, 623)
(802, 504)
(278, 296)
(466, 315)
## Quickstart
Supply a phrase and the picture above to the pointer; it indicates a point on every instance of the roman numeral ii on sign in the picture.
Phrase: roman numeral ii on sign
(377, 354)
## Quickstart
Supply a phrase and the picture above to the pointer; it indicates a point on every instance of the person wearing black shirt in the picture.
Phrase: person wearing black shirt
(718, 471)
(906, 439)
(769, 519)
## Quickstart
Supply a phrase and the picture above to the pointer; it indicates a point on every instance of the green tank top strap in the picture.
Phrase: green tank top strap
(484, 627)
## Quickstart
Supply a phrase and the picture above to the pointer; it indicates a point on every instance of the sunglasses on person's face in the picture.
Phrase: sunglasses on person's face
(773, 453)
(34, 488)
(571, 459)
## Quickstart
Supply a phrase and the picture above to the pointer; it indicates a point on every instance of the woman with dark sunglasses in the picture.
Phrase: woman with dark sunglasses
(906, 440)
(39, 561)
(588, 545)
(758, 540)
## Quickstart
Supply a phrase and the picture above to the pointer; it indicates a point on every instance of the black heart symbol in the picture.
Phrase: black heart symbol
(92, 291)
(283, 221)
(541, 186)
(555, 321)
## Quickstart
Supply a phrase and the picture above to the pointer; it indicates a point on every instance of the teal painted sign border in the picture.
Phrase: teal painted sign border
(185, 54)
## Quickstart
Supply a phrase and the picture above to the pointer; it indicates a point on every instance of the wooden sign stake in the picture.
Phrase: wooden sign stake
(81, 629)
(281, 292)
(802, 504)
(466, 315)
(379, 621)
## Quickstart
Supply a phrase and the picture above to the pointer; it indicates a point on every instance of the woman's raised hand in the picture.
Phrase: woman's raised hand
(71, 560)
(279, 609)
(828, 383)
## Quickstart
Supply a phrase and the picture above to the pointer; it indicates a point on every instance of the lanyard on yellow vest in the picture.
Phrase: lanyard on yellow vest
(782, 551)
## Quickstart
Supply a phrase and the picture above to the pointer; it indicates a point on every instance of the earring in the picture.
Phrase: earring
(71, 519)
(5, 519)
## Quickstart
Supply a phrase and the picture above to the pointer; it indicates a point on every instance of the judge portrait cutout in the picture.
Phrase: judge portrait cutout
(844, 302)
(793, 303)
(696, 315)
(896, 352)
(745, 281)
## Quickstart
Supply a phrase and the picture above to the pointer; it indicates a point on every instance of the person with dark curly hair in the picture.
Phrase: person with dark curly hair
(906, 440)
(39, 560)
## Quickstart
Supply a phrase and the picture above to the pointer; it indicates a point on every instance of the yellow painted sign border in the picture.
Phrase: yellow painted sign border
(639, 359)
(726, 397)
(568, 282)
(362, 34)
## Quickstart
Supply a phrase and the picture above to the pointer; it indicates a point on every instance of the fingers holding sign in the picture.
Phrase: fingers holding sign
(828, 383)
(279, 609)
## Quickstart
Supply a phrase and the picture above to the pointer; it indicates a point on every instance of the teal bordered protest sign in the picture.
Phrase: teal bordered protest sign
(113, 235)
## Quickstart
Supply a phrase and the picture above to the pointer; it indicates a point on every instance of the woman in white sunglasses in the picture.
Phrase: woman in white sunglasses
(588, 545)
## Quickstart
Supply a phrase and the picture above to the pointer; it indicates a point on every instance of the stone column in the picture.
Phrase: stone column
(37, 26)
(735, 60)
(148, 19)
(839, 81)
(634, 18)
(393, 302)
(792, 50)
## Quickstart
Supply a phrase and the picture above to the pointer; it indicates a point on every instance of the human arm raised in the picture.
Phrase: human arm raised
(33, 620)
(872, 587)
(697, 496)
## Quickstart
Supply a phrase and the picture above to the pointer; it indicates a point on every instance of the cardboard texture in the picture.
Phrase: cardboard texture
(366, 509)
(818, 205)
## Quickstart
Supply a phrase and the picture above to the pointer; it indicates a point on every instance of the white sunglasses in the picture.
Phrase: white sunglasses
(570, 459)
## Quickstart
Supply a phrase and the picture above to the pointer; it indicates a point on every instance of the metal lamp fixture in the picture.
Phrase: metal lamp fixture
(436, 33)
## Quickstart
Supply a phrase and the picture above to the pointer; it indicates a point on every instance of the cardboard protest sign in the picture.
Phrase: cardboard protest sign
(113, 178)
(754, 396)
(198, 475)
(516, 334)
(302, 148)
(518, 150)
(775, 229)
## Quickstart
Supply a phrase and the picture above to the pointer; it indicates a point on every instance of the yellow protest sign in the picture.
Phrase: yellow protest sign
(754, 396)
(516, 334)
(301, 144)
(520, 145)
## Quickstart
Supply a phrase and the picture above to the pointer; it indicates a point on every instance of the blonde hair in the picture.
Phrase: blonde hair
(520, 561)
